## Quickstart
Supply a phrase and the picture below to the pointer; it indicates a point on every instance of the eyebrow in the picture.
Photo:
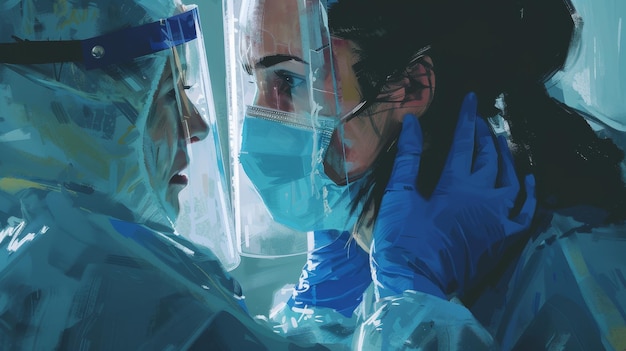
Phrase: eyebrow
(272, 60)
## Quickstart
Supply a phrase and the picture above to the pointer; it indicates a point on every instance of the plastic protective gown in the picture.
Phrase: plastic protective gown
(563, 288)
(89, 258)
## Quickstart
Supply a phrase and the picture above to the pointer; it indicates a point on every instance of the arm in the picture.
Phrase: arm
(335, 276)
(330, 287)
(426, 250)
(437, 245)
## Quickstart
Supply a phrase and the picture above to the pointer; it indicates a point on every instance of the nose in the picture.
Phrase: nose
(196, 125)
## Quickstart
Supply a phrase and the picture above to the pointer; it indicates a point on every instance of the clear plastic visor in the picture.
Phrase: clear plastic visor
(282, 73)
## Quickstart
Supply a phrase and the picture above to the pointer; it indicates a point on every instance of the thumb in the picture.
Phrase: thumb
(407, 162)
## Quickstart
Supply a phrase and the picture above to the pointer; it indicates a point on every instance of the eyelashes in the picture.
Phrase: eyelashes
(291, 79)
(172, 92)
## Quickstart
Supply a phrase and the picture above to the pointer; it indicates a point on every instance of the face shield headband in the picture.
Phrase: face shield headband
(111, 48)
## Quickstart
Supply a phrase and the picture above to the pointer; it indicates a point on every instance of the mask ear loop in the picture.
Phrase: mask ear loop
(360, 107)
(354, 112)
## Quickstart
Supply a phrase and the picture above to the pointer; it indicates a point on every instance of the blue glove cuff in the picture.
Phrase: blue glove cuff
(335, 276)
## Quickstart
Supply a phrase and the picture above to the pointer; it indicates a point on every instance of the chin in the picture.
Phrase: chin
(172, 205)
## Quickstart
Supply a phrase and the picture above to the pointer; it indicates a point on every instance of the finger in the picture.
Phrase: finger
(459, 162)
(406, 164)
(523, 219)
(485, 166)
(507, 178)
(528, 210)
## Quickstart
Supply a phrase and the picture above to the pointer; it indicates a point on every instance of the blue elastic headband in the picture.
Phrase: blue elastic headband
(111, 48)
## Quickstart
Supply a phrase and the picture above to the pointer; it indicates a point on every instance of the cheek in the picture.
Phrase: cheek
(360, 142)
(163, 127)
(162, 131)
(269, 95)
(350, 151)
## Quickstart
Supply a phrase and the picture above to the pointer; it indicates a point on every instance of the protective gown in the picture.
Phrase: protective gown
(559, 286)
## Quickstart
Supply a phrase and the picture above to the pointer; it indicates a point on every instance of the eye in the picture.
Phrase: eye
(290, 78)
(173, 92)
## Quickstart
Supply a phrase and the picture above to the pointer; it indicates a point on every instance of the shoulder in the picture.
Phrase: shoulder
(568, 281)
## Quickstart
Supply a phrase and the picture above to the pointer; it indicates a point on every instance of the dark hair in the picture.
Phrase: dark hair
(493, 48)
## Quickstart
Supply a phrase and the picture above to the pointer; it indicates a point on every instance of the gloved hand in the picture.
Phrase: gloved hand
(335, 275)
(435, 245)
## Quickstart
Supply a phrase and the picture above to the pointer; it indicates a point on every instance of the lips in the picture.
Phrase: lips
(181, 162)
(179, 179)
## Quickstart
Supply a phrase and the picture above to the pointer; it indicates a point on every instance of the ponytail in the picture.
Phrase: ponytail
(572, 165)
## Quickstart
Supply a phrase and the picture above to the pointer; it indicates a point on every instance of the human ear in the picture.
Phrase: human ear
(413, 89)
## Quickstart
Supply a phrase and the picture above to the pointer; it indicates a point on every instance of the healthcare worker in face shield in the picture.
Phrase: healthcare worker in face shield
(310, 137)
(380, 146)
(100, 102)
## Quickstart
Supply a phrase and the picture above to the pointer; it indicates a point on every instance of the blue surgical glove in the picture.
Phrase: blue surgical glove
(335, 275)
(437, 245)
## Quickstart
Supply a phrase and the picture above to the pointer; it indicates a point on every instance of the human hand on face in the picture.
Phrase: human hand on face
(435, 245)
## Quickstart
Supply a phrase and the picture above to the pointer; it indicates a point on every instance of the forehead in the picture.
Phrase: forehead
(272, 27)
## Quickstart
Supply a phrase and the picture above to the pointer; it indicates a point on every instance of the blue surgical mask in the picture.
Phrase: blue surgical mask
(282, 155)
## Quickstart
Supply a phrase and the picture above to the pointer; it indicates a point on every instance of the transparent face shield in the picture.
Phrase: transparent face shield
(139, 102)
(205, 210)
(286, 105)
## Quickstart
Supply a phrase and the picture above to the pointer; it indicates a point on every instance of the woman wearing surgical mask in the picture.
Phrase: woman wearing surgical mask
(434, 210)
